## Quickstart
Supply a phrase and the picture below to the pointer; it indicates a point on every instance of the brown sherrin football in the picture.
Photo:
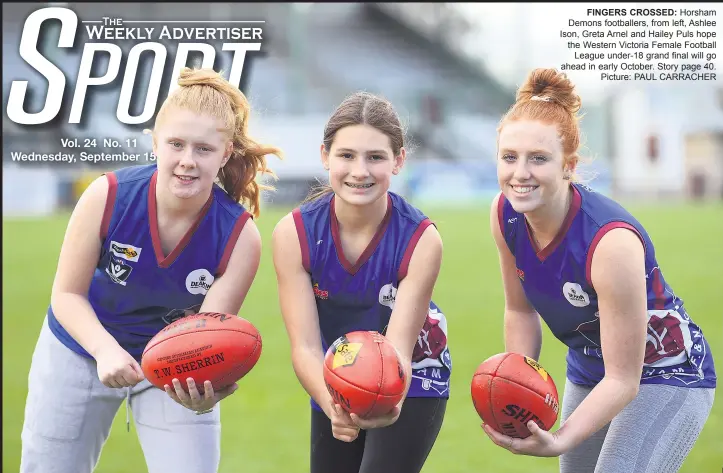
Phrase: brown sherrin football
(363, 374)
(220, 348)
(509, 390)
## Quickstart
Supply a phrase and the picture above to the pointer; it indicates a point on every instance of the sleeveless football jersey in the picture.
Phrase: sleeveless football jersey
(360, 296)
(556, 281)
(136, 290)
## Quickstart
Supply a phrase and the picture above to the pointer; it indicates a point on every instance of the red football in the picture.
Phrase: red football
(509, 390)
(220, 348)
(363, 373)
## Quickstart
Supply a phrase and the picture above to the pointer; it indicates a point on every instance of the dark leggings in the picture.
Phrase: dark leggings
(402, 447)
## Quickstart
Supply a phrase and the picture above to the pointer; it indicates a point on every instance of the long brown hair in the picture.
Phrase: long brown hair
(205, 91)
(361, 108)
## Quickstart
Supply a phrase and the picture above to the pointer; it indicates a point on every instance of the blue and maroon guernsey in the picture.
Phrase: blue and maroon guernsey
(136, 290)
(360, 296)
(556, 281)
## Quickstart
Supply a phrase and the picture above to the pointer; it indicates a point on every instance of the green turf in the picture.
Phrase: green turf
(266, 423)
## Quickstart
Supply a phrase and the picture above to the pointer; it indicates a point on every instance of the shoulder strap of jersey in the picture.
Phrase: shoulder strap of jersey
(411, 245)
(601, 231)
(303, 239)
(231, 242)
(507, 218)
(141, 174)
(109, 204)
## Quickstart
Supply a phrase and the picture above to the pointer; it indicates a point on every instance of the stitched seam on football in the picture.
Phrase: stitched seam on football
(246, 361)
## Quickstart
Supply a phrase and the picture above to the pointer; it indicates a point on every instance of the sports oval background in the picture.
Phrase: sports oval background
(452, 72)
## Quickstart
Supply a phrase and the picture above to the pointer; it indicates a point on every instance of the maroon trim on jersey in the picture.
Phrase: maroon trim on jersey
(231, 243)
(109, 204)
(166, 261)
(369, 250)
(500, 212)
(303, 241)
(404, 267)
(566, 224)
(598, 236)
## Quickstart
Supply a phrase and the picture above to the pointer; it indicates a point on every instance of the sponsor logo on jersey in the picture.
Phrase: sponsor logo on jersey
(320, 294)
(118, 271)
(575, 295)
(125, 251)
(199, 281)
(387, 295)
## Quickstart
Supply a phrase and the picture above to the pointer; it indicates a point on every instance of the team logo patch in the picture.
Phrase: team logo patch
(432, 339)
(199, 281)
(665, 343)
(575, 295)
(344, 352)
(127, 252)
(520, 274)
(536, 366)
(118, 271)
(387, 295)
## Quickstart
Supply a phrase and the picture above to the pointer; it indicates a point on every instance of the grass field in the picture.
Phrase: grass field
(265, 424)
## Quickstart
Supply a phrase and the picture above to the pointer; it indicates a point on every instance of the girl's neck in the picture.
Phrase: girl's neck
(360, 218)
(171, 207)
(546, 221)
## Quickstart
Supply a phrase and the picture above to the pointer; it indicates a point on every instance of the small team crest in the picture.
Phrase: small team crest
(575, 295)
(199, 281)
(125, 251)
(520, 274)
(118, 270)
(344, 352)
(536, 366)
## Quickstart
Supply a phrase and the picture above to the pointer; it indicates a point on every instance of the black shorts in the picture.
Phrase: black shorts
(402, 447)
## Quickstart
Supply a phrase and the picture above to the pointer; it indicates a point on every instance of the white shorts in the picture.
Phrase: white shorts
(69, 413)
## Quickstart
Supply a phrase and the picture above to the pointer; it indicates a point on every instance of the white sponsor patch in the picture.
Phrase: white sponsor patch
(575, 295)
(199, 281)
(387, 295)
(125, 251)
